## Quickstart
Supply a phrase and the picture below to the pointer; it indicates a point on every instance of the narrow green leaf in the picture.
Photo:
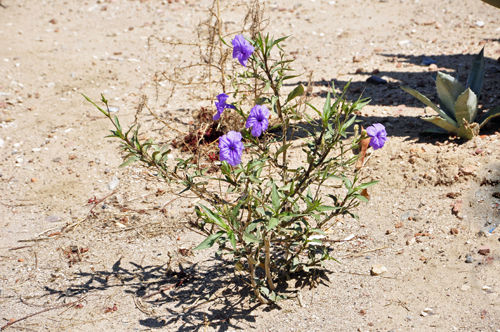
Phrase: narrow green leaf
(282, 149)
(275, 197)
(129, 161)
(273, 222)
(100, 109)
(250, 238)
(209, 241)
(298, 91)
(324, 208)
(214, 218)
(232, 238)
(476, 76)
(326, 109)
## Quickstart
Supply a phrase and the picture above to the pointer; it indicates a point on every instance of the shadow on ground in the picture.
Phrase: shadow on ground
(194, 297)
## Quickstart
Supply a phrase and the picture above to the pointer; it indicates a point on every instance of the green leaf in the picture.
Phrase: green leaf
(326, 109)
(448, 88)
(275, 197)
(129, 161)
(225, 168)
(365, 185)
(250, 238)
(232, 239)
(489, 115)
(224, 42)
(209, 241)
(100, 109)
(476, 76)
(262, 100)
(298, 91)
(429, 103)
(273, 222)
(466, 107)
(323, 208)
(214, 218)
(282, 149)
(438, 121)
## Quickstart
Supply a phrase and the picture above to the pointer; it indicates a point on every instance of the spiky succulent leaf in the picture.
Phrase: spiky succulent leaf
(468, 131)
(475, 80)
(449, 89)
(489, 115)
(466, 107)
(429, 103)
(440, 122)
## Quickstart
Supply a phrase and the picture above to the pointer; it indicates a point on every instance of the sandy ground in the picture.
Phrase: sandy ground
(55, 161)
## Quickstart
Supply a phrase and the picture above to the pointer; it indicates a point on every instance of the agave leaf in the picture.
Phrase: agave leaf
(468, 131)
(475, 80)
(489, 115)
(466, 107)
(440, 122)
(429, 103)
(449, 89)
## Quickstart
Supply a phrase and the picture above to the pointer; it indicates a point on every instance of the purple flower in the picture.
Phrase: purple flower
(241, 49)
(378, 135)
(221, 105)
(258, 120)
(231, 148)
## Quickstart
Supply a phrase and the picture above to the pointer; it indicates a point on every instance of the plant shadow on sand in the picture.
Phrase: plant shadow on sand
(194, 297)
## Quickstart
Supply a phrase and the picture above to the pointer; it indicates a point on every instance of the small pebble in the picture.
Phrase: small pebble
(52, 218)
(377, 269)
(114, 183)
(480, 24)
(376, 80)
(469, 259)
(484, 250)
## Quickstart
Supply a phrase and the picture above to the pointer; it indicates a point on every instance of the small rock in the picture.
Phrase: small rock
(465, 288)
(2, 142)
(359, 70)
(113, 109)
(377, 269)
(20, 260)
(410, 241)
(468, 170)
(457, 206)
(375, 72)
(479, 24)
(454, 231)
(438, 25)
(107, 170)
(399, 225)
(376, 80)
(423, 314)
(469, 259)
(486, 288)
(357, 58)
(34, 180)
(53, 218)
(433, 67)
(428, 61)
(114, 183)
(484, 250)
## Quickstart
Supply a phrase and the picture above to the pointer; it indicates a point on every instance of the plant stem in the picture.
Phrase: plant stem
(252, 279)
(267, 265)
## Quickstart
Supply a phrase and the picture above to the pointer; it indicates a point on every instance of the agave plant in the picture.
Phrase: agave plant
(458, 105)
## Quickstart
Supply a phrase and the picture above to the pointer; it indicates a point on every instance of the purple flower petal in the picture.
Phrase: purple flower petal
(378, 135)
(231, 148)
(258, 120)
(242, 50)
(221, 105)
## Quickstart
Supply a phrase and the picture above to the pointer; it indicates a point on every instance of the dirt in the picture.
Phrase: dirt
(423, 220)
